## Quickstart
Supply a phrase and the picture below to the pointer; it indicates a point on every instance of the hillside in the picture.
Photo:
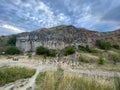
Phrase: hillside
(61, 36)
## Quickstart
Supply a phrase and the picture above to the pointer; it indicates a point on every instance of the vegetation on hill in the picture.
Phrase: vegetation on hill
(12, 50)
(82, 59)
(101, 60)
(115, 58)
(116, 46)
(45, 51)
(10, 74)
(102, 44)
(6, 42)
(87, 49)
(69, 50)
(12, 40)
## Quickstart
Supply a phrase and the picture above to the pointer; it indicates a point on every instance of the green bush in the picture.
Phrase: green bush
(87, 49)
(69, 50)
(106, 45)
(45, 51)
(51, 53)
(12, 50)
(116, 46)
(10, 74)
(101, 60)
(42, 50)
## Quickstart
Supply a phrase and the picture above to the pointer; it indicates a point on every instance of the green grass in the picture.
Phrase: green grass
(50, 80)
(10, 74)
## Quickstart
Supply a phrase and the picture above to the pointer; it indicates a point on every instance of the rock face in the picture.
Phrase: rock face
(61, 36)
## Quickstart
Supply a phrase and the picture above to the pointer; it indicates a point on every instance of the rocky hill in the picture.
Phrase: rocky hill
(61, 36)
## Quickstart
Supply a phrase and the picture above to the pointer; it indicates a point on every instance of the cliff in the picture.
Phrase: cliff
(61, 36)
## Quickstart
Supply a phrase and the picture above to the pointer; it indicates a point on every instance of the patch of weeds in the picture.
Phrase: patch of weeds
(82, 59)
(101, 60)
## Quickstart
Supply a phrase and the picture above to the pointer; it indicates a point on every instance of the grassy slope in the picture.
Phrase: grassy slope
(11, 74)
(55, 81)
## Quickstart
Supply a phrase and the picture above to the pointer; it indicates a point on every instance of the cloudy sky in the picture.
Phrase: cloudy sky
(26, 15)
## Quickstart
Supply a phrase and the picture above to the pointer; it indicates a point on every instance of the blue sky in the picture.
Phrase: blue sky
(26, 15)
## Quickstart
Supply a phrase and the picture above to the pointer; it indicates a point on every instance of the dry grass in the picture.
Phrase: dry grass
(10, 74)
(66, 81)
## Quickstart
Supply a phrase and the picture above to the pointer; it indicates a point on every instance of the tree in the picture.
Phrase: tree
(12, 50)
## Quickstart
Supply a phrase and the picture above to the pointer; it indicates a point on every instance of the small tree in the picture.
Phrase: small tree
(69, 50)
(12, 50)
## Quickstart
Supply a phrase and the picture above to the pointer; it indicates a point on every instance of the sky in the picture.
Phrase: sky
(18, 16)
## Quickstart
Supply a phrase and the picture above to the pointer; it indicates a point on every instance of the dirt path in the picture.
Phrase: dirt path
(30, 83)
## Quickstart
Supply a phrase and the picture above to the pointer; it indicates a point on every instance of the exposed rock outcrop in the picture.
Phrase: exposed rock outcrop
(61, 36)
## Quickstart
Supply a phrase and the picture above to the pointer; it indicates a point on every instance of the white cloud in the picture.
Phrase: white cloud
(10, 27)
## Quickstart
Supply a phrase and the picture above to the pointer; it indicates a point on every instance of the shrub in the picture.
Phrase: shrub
(12, 50)
(115, 58)
(42, 50)
(101, 60)
(45, 51)
(51, 53)
(106, 45)
(116, 46)
(69, 50)
(87, 49)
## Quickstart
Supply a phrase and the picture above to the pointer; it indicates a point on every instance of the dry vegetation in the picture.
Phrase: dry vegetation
(10, 74)
(59, 80)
